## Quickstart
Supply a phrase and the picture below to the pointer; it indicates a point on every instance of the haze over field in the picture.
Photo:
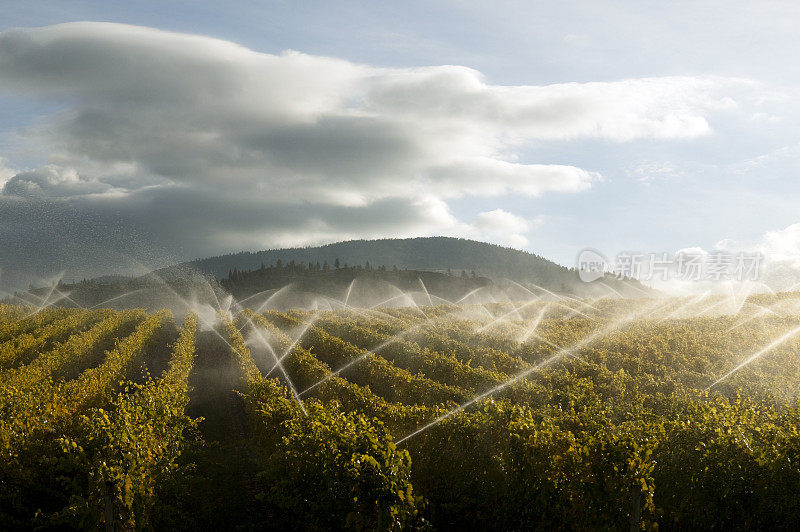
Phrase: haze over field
(133, 138)
(424, 265)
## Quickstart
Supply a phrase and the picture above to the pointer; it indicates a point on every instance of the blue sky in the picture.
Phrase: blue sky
(670, 126)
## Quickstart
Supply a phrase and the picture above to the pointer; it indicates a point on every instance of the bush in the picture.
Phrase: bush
(336, 470)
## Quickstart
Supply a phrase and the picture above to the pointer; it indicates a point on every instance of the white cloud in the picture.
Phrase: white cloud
(486, 176)
(500, 221)
(53, 181)
(774, 261)
(502, 226)
(655, 171)
(780, 246)
(783, 245)
(182, 134)
(193, 108)
(666, 108)
(768, 160)
(6, 172)
(693, 250)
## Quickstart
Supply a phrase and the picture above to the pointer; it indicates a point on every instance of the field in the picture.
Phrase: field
(604, 414)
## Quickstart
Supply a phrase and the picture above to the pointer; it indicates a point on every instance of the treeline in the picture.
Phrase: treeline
(293, 268)
(374, 282)
(428, 254)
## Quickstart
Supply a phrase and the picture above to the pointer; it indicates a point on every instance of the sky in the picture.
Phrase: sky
(137, 134)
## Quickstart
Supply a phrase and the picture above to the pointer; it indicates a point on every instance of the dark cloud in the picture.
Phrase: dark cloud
(171, 146)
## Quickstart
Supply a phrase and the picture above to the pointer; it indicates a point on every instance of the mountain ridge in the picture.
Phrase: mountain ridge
(436, 253)
(359, 252)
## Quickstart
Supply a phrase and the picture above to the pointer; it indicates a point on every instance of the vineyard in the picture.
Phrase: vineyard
(677, 413)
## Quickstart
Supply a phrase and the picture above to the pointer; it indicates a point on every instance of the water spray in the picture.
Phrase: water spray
(756, 356)
(568, 351)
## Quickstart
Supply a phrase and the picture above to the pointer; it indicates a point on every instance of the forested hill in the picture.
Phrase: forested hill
(431, 254)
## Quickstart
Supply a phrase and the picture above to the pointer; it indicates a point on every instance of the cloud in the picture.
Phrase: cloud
(780, 246)
(505, 227)
(52, 181)
(655, 171)
(662, 108)
(189, 145)
(770, 263)
(6, 172)
(770, 160)
(499, 221)
(783, 245)
(486, 176)
(94, 234)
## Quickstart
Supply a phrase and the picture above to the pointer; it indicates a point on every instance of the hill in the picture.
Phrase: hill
(438, 254)
(360, 285)
(362, 273)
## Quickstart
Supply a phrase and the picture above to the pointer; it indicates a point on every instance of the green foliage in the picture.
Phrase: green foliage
(333, 470)
(618, 432)
(623, 435)
(124, 452)
(93, 450)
